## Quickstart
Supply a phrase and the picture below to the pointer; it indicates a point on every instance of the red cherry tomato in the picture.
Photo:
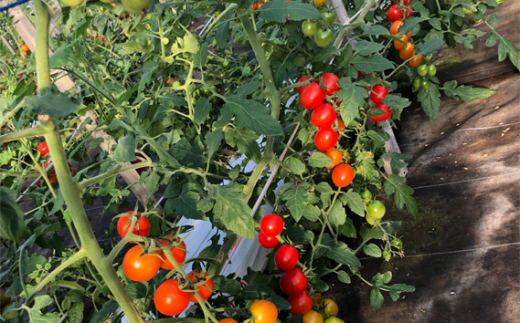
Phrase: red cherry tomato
(286, 257)
(138, 267)
(227, 320)
(169, 299)
(142, 227)
(267, 241)
(43, 148)
(382, 117)
(393, 13)
(302, 79)
(293, 281)
(342, 175)
(301, 303)
(378, 93)
(323, 116)
(331, 83)
(312, 96)
(204, 290)
(178, 252)
(271, 225)
(264, 312)
(326, 138)
(335, 155)
(408, 11)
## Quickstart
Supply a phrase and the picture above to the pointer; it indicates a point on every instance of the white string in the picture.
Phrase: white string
(467, 181)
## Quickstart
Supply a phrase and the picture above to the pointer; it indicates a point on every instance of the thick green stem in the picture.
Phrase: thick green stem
(42, 46)
(36, 131)
(86, 183)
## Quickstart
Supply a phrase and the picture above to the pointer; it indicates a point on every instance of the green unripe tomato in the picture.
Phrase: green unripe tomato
(422, 70)
(417, 83)
(299, 60)
(176, 85)
(205, 90)
(429, 57)
(432, 70)
(328, 16)
(108, 1)
(309, 28)
(376, 209)
(397, 243)
(226, 64)
(387, 255)
(366, 195)
(323, 38)
(73, 3)
(96, 58)
(136, 7)
(372, 220)
(332, 319)
(425, 85)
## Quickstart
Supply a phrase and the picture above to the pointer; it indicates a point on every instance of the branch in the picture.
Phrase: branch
(86, 183)
(37, 130)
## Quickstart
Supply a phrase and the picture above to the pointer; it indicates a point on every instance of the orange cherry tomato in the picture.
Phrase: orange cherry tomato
(204, 290)
(25, 48)
(336, 157)
(227, 320)
(414, 62)
(312, 317)
(138, 267)
(407, 52)
(343, 175)
(394, 28)
(341, 125)
(398, 45)
(178, 252)
(264, 312)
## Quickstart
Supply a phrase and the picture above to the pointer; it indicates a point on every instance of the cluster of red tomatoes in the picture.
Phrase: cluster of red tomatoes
(43, 149)
(377, 95)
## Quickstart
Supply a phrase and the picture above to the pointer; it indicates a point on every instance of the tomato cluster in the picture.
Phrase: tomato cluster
(424, 71)
(377, 95)
(270, 227)
(43, 149)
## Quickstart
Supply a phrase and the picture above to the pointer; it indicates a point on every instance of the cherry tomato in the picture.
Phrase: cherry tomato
(341, 125)
(178, 252)
(422, 70)
(335, 156)
(227, 320)
(264, 312)
(401, 44)
(204, 290)
(25, 48)
(378, 93)
(414, 62)
(140, 268)
(302, 79)
(312, 96)
(319, 3)
(417, 82)
(382, 117)
(331, 308)
(407, 52)
(323, 116)
(366, 195)
(372, 220)
(323, 37)
(394, 28)
(309, 28)
(326, 138)
(342, 175)
(43, 148)
(136, 7)
(286, 257)
(332, 319)
(267, 241)
(316, 296)
(312, 317)
(331, 83)
(301, 303)
(271, 225)
(432, 70)
(425, 85)
(328, 16)
(393, 13)
(397, 243)
(141, 228)
(408, 11)
(169, 299)
(293, 281)
(376, 209)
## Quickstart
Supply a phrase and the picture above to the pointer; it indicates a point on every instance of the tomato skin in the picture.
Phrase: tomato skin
(142, 227)
(432, 70)
(414, 62)
(319, 3)
(140, 268)
(312, 317)
(43, 148)
(376, 209)
(227, 320)
(286, 257)
(328, 16)
(264, 311)
(326, 138)
(425, 85)
(204, 290)
(25, 48)
(394, 28)
(335, 155)
(398, 45)
(309, 28)
(378, 93)
(333, 319)
(301, 303)
(397, 243)
(312, 96)
(267, 241)
(331, 308)
(417, 83)
(323, 37)
(271, 225)
(293, 281)
(331, 83)
(408, 11)
(407, 52)
(382, 117)
(178, 252)
(323, 116)
(343, 175)
(422, 70)
(393, 13)
(169, 299)
(136, 7)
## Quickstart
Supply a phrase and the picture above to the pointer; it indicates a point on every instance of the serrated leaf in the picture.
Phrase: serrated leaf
(352, 97)
(281, 10)
(507, 47)
(311, 212)
(187, 44)
(226, 286)
(253, 115)
(375, 30)
(151, 183)
(173, 98)
(125, 149)
(372, 250)
(34, 313)
(30, 263)
(348, 229)
(232, 212)
(337, 215)
(296, 198)
(403, 193)
(435, 23)
(222, 35)
(201, 58)
(246, 142)
(295, 165)
(493, 19)
(138, 46)
(343, 277)
(75, 313)
(319, 160)
(136, 290)
(248, 88)
(63, 57)
(325, 54)
(213, 141)
(108, 308)
(371, 64)
(367, 233)
(366, 48)
(187, 154)
(411, 23)
(397, 161)
(354, 202)
(12, 225)
(186, 203)
(54, 105)
(148, 71)
(341, 254)
(397, 102)
(428, 47)
(281, 303)
(376, 299)
(430, 101)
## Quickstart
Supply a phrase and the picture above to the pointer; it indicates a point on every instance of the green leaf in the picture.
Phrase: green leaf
(63, 57)
(337, 215)
(248, 88)
(173, 98)
(343, 277)
(430, 101)
(108, 308)
(376, 299)
(397, 102)
(325, 54)
(435, 23)
(352, 97)
(232, 212)
(148, 71)
(12, 225)
(226, 286)
(295, 197)
(403, 193)
(125, 149)
(348, 229)
(253, 115)
(35, 315)
(151, 182)
(493, 19)
(281, 10)
(341, 254)
(319, 160)
(186, 44)
(246, 142)
(213, 141)
(507, 47)
(411, 23)
(366, 48)
(139, 46)
(371, 64)
(201, 58)
(375, 30)
(387, 277)
(296, 166)
(187, 154)
(397, 161)
(186, 203)
(222, 35)
(54, 105)
(368, 233)
(372, 250)
(428, 47)
(311, 213)
(354, 202)
(75, 314)
(136, 290)
(280, 302)
(30, 263)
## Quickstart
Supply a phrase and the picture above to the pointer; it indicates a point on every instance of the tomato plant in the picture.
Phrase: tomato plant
(309, 28)
(178, 252)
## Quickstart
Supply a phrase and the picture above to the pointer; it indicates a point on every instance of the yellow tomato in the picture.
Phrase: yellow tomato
(319, 3)
(331, 308)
